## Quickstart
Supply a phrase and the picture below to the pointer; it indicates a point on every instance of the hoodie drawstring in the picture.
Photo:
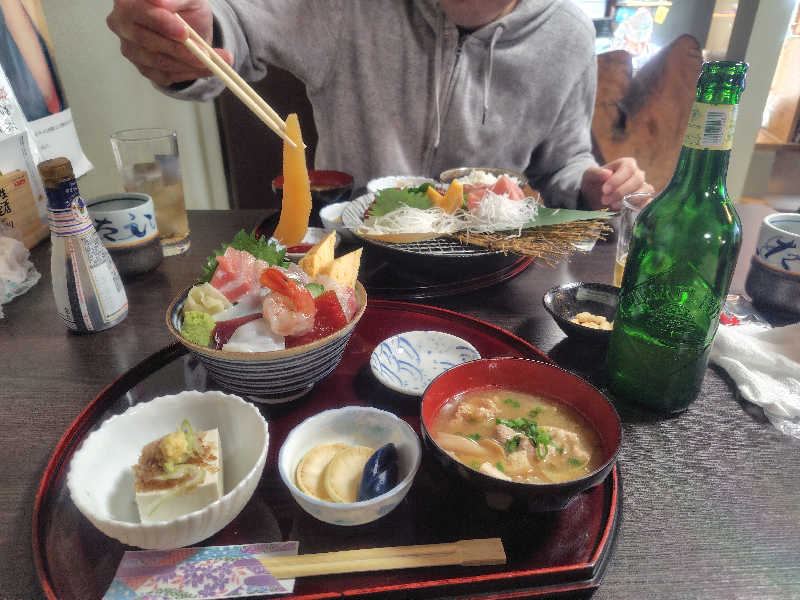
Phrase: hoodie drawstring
(437, 76)
(487, 72)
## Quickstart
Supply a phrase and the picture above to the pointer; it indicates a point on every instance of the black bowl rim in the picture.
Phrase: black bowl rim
(547, 299)
(178, 301)
(579, 484)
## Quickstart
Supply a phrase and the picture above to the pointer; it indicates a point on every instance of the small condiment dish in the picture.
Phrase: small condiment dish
(331, 216)
(409, 361)
(564, 302)
(101, 479)
(351, 425)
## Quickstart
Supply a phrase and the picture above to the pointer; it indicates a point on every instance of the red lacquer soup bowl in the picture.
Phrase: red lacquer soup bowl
(537, 379)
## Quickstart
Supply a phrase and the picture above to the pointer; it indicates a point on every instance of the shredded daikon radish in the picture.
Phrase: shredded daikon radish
(497, 212)
(411, 220)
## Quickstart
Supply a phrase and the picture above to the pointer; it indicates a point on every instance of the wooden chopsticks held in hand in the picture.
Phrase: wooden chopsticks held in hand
(234, 82)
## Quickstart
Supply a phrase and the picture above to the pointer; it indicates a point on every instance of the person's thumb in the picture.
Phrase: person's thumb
(597, 175)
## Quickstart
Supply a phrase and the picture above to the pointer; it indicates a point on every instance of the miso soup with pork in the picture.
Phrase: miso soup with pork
(517, 437)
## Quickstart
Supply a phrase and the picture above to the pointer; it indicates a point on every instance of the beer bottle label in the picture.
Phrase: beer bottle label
(710, 126)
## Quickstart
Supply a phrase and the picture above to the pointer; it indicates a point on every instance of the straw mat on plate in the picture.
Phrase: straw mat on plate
(549, 243)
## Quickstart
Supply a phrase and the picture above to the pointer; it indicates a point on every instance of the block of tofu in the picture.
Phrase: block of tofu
(168, 504)
(320, 257)
(345, 268)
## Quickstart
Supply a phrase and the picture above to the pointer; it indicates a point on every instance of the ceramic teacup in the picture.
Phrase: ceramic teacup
(126, 224)
(774, 277)
(779, 242)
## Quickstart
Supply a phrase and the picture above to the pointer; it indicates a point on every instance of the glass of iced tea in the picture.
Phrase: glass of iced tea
(148, 161)
(632, 205)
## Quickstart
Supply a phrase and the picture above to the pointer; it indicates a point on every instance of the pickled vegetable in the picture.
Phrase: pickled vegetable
(296, 202)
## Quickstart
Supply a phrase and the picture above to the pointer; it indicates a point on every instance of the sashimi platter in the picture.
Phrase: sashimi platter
(480, 212)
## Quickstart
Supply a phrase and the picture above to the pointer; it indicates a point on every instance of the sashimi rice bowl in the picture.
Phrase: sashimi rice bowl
(265, 327)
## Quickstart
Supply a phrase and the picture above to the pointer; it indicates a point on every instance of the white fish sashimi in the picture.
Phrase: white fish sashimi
(249, 304)
(255, 336)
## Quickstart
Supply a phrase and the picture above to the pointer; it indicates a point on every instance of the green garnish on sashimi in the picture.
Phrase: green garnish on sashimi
(391, 199)
(247, 242)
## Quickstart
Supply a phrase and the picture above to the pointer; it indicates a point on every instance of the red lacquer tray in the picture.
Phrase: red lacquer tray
(548, 553)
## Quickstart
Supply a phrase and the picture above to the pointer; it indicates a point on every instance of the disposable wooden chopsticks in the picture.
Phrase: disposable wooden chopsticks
(234, 82)
(464, 552)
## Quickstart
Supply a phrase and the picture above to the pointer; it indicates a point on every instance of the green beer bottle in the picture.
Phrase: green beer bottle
(680, 261)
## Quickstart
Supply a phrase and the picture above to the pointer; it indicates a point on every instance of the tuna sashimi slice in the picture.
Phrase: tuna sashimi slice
(505, 185)
(329, 318)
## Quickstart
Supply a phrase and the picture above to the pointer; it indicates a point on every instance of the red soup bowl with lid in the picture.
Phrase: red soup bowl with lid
(530, 399)
(327, 187)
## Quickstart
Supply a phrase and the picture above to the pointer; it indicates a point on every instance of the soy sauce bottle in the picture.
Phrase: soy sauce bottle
(87, 287)
(682, 254)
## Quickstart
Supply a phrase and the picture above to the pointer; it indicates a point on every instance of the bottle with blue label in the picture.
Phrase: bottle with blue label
(87, 287)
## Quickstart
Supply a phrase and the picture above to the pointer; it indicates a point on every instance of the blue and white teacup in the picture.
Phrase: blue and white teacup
(126, 224)
(779, 242)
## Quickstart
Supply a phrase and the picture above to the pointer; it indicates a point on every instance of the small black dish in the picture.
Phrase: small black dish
(563, 302)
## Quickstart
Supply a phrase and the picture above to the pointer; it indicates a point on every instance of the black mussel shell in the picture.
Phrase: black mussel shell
(380, 460)
(380, 473)
(372, 487)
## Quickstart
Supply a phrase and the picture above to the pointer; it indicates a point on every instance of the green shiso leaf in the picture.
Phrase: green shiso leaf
(262, 249)
(556, 216)
(390, 199)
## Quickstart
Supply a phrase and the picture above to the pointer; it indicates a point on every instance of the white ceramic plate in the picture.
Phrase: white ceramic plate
(408, 362)
(397, 181)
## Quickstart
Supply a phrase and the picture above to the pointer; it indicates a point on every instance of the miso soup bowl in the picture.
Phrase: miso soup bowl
(269, 377)
(538, 379)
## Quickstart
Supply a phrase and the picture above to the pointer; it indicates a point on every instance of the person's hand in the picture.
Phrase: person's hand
(151, 37)
(604, 187)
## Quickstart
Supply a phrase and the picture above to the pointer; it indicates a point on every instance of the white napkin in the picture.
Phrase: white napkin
(765, 364)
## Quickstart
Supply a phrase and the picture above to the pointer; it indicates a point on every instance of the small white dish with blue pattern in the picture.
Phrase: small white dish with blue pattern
(409, 361)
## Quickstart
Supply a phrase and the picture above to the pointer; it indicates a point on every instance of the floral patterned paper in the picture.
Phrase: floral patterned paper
(198, 573)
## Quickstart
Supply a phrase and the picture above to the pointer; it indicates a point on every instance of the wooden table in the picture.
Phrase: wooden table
(710, 505)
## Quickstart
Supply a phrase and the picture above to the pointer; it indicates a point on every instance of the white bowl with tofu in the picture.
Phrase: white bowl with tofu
(209, 493)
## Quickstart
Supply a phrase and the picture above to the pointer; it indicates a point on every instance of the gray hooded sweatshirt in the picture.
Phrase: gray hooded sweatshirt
(397, 89)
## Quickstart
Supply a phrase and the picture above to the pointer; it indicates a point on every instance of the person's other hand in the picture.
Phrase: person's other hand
(151, 37)
(604, 187)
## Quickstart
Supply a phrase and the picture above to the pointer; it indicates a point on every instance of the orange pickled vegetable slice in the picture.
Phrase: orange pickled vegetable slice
(296, 202)
(435, 197)
(454, 197)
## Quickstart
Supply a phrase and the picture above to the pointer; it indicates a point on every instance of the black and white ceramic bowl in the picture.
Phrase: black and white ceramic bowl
(270, 377)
